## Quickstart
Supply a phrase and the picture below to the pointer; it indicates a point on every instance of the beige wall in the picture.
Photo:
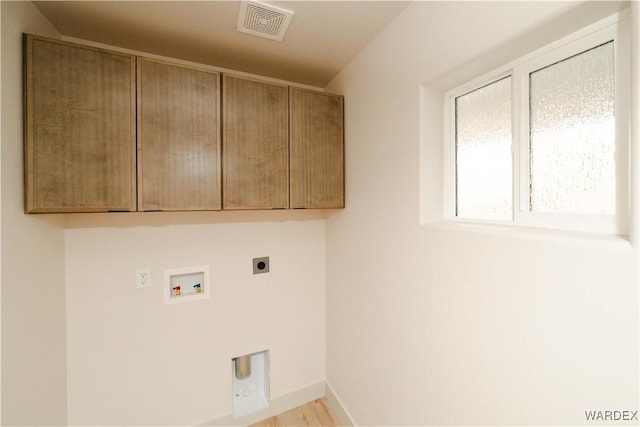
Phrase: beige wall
(134, 361)
(436, 325)
(34, 382)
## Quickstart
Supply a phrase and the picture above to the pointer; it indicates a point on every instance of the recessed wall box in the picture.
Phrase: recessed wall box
(186, 284)
(250, 383)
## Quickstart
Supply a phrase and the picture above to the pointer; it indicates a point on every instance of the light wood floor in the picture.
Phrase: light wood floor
(316, 413)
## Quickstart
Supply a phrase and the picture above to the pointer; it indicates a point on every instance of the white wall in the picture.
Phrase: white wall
(0, 223)
(33, 292)
(433, 325)
(134, 361)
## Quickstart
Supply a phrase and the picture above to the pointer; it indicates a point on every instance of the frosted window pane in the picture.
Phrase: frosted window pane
(572, 131)
(483, 152)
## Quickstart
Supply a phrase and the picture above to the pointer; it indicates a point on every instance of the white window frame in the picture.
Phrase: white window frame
(614, 28)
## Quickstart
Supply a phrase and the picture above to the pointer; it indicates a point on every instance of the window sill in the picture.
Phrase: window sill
(532, 233)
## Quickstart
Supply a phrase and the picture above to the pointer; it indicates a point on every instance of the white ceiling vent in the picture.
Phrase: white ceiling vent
(263, 20)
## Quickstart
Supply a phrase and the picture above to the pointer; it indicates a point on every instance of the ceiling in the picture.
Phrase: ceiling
(322, 38)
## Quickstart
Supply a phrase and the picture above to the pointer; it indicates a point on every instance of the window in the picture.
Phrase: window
(483, 152)
(544, 142)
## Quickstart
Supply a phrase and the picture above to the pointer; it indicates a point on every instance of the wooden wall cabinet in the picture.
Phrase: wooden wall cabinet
(255, 144)
(178, 137)
(80, 128)
(104, 135)
(316, 148)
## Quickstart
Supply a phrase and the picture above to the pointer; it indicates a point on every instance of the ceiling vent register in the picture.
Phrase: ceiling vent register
(263, 20)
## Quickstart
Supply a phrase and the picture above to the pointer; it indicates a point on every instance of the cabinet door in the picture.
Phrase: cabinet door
(316, 149)
(80, 128)
(178, 137)
(255, 145)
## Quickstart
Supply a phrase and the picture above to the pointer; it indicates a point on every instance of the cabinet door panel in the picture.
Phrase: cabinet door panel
(316, 149)
(255, 145)
(80, 128)
(178, 137)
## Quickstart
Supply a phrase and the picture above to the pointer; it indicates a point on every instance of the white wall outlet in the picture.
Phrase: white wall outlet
(143, 278)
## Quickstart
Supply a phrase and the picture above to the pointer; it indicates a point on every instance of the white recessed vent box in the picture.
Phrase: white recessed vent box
(186, 284)
(250, 383)
(263, 20)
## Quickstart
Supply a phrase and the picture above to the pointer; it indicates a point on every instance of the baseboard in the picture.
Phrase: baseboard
(336, 406)
(278, 405)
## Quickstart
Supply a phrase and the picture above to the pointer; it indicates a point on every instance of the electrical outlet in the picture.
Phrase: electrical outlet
(143, 278)
(261, 265)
